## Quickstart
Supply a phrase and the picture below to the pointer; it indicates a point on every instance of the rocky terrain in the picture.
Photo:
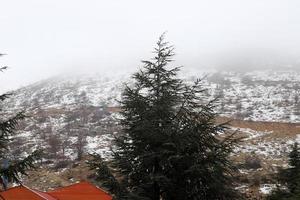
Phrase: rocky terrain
(70, 116)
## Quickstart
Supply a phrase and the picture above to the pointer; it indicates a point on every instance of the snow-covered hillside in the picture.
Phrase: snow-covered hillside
(92, 100)
(64, 108)
(258, 95)
(74, 115)
(67, 90)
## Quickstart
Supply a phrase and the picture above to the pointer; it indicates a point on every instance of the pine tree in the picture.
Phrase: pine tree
(289, 179)
(106, 178)
(294, 170)
(169, 148)
(11, 170)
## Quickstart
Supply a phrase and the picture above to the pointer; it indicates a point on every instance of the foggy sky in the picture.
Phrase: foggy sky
(47, 37)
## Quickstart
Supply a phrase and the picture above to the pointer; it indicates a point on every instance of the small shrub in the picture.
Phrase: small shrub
(252, 162)
(61, 164)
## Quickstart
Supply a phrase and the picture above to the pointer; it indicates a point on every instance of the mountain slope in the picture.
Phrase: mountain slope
(71, 116)
(75, 114)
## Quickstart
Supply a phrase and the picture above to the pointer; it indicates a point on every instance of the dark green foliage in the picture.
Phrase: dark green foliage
(105, 176)
(170, 148)
(11, 170)
(19, 167)
(289, 179)
(294, 171)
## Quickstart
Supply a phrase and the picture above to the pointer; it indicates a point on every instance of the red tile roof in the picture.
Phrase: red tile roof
(78, 191)
(24, 193)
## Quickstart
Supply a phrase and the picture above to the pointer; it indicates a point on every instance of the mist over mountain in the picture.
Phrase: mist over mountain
(245, 60)
(69, 65)
(95, 36)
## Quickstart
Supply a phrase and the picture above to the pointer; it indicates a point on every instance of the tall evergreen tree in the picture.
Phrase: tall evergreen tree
(10, 170)
(170, 148)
